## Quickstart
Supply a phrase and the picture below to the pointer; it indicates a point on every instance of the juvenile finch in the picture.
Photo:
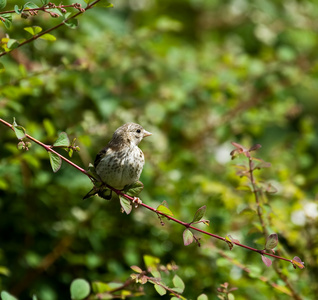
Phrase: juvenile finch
(120, 163)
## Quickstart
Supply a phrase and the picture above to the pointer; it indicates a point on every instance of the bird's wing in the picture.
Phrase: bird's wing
(101, 154)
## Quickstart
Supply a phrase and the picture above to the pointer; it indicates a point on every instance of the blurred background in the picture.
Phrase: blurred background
(198, 74)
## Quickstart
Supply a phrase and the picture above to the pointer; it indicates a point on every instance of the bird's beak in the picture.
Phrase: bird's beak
(147, 133)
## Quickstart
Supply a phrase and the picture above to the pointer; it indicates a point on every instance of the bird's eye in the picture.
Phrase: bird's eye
(138, 130)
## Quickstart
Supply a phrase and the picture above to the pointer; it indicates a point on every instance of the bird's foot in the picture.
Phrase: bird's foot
(136, 201)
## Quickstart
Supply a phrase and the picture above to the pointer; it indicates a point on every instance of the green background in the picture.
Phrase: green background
(198, 74)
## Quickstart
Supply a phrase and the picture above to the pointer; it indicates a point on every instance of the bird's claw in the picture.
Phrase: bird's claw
(136, 201)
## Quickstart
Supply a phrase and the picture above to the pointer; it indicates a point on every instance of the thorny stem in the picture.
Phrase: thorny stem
(52, 28)
(185, 224)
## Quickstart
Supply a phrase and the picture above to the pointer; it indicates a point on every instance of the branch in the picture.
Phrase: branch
(185, 224)
(53, 28)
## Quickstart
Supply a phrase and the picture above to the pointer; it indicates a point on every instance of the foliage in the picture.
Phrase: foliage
(198, 74)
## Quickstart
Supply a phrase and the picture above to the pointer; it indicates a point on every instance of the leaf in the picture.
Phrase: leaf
(6, 296)
(230, 238)
(7, 20)
(80, 289)
(178, 283)
(48, 37)
(271, 241)
(199, 214)
(13, 44)
(55, 11)
(187, 237)
(229, 242)
(55, 161)
(136, 269)
(30, 5)
(151, 261)
(266, 261)
(100, 287)
(203, 297)
(298, 263)
(3, 3)
(62, 140)
(134, 189)
(45, 2)
(19, 130)
(160, 290)
(104, 4)
(164, 209)
(255, 147)
(2, 68)
(33, 30)
(73, 23)
(125, 204)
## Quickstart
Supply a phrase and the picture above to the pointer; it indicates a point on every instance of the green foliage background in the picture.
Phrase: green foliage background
(198, 75)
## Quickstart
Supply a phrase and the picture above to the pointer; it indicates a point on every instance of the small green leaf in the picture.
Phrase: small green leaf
(48, 37)
(199, 214)
(229, 242)
(187, 237)
(30, 5)
(33, 30)
(136, 269)
(80, 289)
(271, 241)
(203, 297)
(134, 189)
(125, 204)
(164, 210)
(3, 3)
(34, 297)
(4, 271)
(7, 20)
(160, 290)
(151, 261)
(104, 4)
(13, 44)
(6, 296)
(55, 161)
(45, 2)
(178, 283)
(100, 287)
(19, 130)
(16, 9)
(72, 23)
(62, 140)
(55, 10)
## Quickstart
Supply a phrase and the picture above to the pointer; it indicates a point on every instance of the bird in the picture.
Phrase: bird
(121, 162)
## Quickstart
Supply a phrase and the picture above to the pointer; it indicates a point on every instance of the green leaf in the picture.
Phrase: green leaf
(164, 209)
(7, 20)
(80, 289)
(104, 4)
(55, 161)
(203, 297)
(4, 271)
(178, 283)
(199, 214)
(13, 44)
(19, 130)
(33, 30)
(100, 287)
(62, 140)
(34, 297)
(45, 2)
(125, 204)
(271, 241)
(73, 23)
(16, 9)
(134, 189)
(2, 68)
(136, 269)
(151, 261)
(3, 3)
(30, 5)
(160, 290)
(187, 237)
(48, 37)
(55, 10)
(6, 296)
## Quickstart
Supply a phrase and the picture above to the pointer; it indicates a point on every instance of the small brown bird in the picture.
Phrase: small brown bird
(120, 163)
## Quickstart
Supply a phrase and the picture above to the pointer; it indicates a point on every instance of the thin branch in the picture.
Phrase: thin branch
(53, 28)
(118, 192)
